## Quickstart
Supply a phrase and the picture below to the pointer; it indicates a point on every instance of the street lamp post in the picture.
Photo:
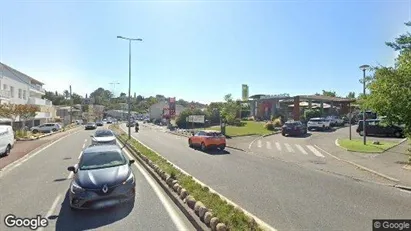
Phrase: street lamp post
(364, 68)
(129, 78)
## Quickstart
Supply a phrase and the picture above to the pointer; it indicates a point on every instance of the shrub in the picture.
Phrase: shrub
(277, 122)
(269, 126)
(237, 122)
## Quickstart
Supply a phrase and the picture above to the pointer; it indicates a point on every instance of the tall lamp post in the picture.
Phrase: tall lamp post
(129, 78)
(364, 68)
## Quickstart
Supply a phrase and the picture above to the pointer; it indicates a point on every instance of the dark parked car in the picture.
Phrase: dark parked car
(293, 128)
(90, 126)
(102, 178)
(379, 128)
(99, 123)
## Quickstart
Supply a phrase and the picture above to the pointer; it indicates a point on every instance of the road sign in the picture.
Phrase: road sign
(196, 119)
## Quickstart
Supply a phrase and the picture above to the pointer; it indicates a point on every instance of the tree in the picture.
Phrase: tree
(122, 95)
(11, 111)
(403, 42)
(230, 109)
(390, 87)
(329, 93)
(28, 112)
(66, 94)
(351, 95)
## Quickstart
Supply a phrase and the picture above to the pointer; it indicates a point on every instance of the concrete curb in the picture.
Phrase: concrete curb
(360, 166)
(261, 223)
(183, 135)
(407, 188)
(194, 220)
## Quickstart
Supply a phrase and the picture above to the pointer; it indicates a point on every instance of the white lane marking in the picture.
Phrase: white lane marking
(268, 144)
(70, 175)
(18, 162)
(167, 205)
(81, 153)
(301, 149)
(259, 143)
(278, 146)
(289, 148)
(258, 220)
(51, 210)
(84, 145)
(315, 151)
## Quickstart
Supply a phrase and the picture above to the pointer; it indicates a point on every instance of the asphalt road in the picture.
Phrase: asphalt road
(285, 195)
(39, 186)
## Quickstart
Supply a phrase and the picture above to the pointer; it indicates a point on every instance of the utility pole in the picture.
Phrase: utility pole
(71, 106)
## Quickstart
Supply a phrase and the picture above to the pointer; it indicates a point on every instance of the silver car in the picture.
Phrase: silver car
(103, 136)
(45, 128)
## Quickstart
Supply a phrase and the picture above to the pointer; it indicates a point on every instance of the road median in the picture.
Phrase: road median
(208, 207)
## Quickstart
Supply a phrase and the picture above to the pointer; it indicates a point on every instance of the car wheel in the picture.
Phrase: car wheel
(283, 133)
(361, 133)
(35, 131)
(203, 147)
(397, 134)
(53, 130)
(8, 149)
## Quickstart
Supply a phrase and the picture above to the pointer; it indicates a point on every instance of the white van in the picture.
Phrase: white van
(6, 139)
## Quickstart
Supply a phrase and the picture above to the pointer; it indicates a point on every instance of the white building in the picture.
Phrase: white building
(157, 110)
(18, 88)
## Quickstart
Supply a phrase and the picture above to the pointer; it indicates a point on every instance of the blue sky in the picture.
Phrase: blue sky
(200, 50)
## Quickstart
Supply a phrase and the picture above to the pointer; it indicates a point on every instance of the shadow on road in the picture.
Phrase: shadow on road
(69, 220)
(300, 136)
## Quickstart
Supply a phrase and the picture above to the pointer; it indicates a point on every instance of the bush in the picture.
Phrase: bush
(277, 122)
(237, 122)
(269, 126)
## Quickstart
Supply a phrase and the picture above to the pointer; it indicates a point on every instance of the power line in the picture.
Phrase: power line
(113, 84)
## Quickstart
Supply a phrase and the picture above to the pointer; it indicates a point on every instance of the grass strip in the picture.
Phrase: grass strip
(357, 145)
(234, 218)
(249, 128)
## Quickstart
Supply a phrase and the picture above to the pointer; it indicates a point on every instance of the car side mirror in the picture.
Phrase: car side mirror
(71, 169)
(130, 162)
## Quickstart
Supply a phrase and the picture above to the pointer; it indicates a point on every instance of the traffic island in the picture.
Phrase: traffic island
(357, 145)
(199, 200)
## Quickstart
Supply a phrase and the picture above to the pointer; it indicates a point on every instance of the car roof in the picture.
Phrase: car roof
(101, 148)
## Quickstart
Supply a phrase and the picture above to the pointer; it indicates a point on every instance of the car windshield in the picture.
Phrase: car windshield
(104, 159)
(103, 134)
(90, 123)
